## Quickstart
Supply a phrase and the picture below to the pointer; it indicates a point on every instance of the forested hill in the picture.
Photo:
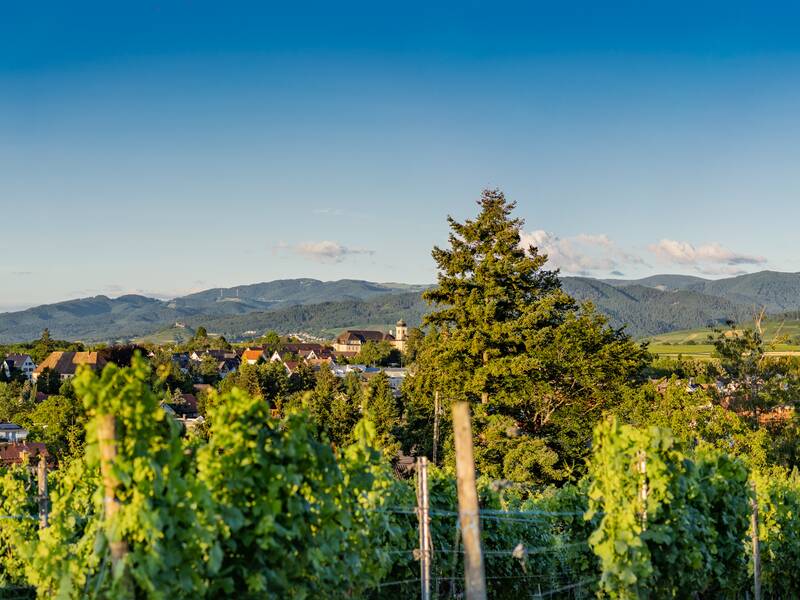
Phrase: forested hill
(651, 306)
(649, 311)
(778, 292)
(105, 319)
(324, 319)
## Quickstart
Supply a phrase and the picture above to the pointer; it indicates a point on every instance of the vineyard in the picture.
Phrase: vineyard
(260, 507)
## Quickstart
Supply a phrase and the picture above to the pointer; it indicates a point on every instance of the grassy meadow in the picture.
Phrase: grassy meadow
(782, 335)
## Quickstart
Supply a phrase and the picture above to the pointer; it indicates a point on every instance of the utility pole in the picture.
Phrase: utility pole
(436, 410)
(423, 513)
(41, 476)
(469, 517)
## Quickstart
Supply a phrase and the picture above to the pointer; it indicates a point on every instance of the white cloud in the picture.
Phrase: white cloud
(582, 254)
(326, 250)
(708, 258)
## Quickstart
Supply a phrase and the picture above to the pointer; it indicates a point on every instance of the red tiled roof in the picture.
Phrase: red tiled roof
(11, 454)
(252, 354)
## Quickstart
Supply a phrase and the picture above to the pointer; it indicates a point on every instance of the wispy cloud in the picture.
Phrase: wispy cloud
(583, 254)
(323, 251)
(710, 259)
(336, 212)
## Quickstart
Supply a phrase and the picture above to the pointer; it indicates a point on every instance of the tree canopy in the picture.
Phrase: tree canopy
(503, 334)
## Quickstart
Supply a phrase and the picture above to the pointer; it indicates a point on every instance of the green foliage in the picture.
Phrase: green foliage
(59, 422)
(162, 506)
(69, 559)
(695, 418)
(381, 408)
(269, 381)
(332, 409)
(17, 523)
(413, 343)
(643, 485)
(530, 538)
(380, 354)
(16, 401)
(504, 333)
(761, 383)
(778, 493)
(290, 521)
(302, 378)
(49, 381)
(39, 349)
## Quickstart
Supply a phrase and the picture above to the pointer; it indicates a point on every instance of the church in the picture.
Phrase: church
(351, 340)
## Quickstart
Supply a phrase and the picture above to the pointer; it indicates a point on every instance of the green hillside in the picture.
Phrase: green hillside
(100, 319)
(171, 335)
(777, 292)
(652, 306)
(646, 311)
(783, 333)
(323, 319)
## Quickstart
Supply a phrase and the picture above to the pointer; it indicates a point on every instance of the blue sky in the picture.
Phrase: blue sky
(165, 147)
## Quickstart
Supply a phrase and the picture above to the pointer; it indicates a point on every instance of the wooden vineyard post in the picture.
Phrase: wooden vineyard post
(642, 466)
(436, 411)
(423, 513)
(41, 478)
(468, 515)
(756, 550)
(107, 442)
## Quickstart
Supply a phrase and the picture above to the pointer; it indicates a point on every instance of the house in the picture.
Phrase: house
(351, 340)
(14, 453)
(319, 363)
(218, 355)
(396, 378)
(289, 365)
(10, 432)
(67, 363)
(343, 370)
(227, 361)
(184, 406)
(227, 366)
(18, 363)
(182, 360)
(252, 356)
(186, 420)
(307, 350)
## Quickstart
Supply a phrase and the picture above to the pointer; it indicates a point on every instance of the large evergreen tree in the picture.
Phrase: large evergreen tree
(505, 336)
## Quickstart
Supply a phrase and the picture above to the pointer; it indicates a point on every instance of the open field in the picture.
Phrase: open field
(783, 335)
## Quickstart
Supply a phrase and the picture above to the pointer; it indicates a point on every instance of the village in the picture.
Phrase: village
(340, 356)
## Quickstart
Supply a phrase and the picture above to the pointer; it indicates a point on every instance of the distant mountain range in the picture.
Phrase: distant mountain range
(649, 306)
(105, 319)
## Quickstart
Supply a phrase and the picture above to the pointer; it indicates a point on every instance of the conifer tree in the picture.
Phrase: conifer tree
(344, 414)
(380, 407)
(504, 335)
(321, 399)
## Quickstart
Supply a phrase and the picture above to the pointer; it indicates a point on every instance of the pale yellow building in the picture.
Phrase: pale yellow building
(351, 340)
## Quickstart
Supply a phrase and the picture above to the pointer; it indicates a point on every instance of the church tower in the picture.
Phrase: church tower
(400, 335)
